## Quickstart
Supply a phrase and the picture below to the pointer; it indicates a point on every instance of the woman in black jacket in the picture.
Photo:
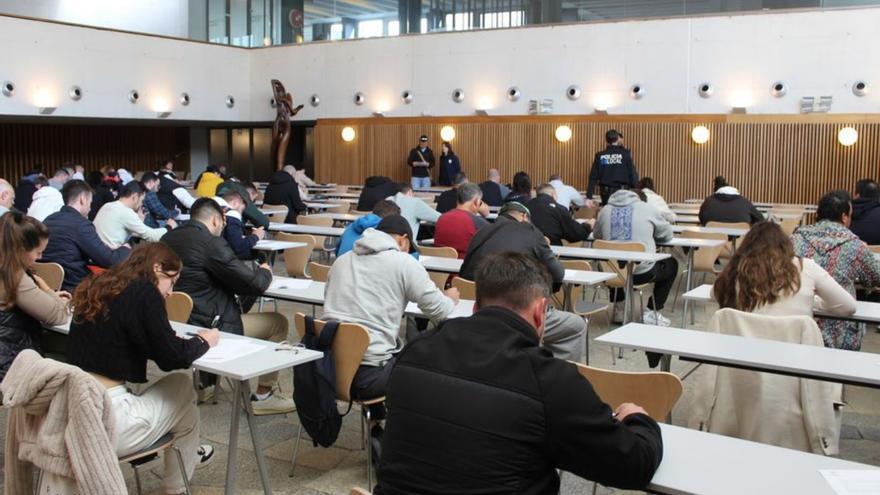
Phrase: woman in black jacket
(522, 189)
(449, 165)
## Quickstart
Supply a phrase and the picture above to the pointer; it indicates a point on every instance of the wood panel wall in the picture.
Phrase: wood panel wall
(135, 148)
(769, 158)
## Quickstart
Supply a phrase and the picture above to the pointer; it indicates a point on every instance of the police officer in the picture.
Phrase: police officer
(613, 168)
(421, 160)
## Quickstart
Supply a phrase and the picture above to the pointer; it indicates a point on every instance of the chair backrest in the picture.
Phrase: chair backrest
(359, 491)
(587, 212)
(440, 252)
(348, 349)
(788, 225)
(355, 211)
(704, 257)
(51, 273)
(729, 225)
(179, 306)
(656, 391)
(874, 249)
(296, 259)
(318, 272)
(341, 189)
(612, 266)
(282, 210)
(466, 288)
(340, 208)
(320, 240)
(577, 290)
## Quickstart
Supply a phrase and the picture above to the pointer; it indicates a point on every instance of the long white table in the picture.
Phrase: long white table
(783, 358)
(292, 228)
(321, 206)
(338, 217)
(240, 371)
(696, 462)
(688, 219)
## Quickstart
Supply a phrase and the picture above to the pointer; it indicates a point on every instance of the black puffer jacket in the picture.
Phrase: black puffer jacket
(282, 190)
(212, 276)
(376, 188)
(866, 220)
(477, 407)
(18, 331)
(167, 185)
(729, 208)
(555, 221)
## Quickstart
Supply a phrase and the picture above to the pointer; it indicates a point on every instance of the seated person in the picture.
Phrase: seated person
(502, 407)
(455, 228)
(522, 191)
(118, 323)
(102, 193)
(555, 220)
(628, 218)
(494, 191)
(376, 188)
(240, 242)
(57, 181)
(171, 193)
(46, 201)
(646, 185)
(119, 220)
(387, 279)
(866, 212)
(155, 213)
(73, 242)
(565, 332)
(283, 191)
(207, 182)
(414, 209)
(448, 199)
(847, 258)
(26, 302)
(249, 192)
(727, 205)
(27, 186)
(7, 196)
(216, 279)
(355, 230)
(567, 196)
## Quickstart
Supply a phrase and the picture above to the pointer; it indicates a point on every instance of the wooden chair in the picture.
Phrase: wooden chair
(613, 266)
(580, 306)
(348, 349)
(656, 391)
(340, 189)
(148, 454)
(705, 259)
(359, 491)
(281, 215)
(179, 306)
(727, 252)
(341, 208)
(322, 245)
(355, 211)
(439, 278)
(587, 213)
(874, 249)
(567, 243)
(466, 288)
(51, 273)
(296, 259)
(318, 272)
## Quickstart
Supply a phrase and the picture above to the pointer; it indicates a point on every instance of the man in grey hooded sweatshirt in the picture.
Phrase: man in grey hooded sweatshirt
(627, 218)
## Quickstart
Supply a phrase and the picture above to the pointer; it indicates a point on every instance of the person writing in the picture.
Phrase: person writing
(421, 160)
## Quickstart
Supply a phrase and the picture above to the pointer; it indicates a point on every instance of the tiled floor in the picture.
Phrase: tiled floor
(335, 470)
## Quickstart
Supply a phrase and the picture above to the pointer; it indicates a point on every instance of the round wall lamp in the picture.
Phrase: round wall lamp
(778, 89)
(513, 93)
(458, 95)
(447, 133)
(75, 93)
(184, 99)
(700, 134)
(573, 92)
(315, 100)
(563, 133)
(360, 98)
(847, 136)
(8, 88)
(230, 101)
(133, 96)
(860, 88)
(406, 97)
(348, 134)
(705, 90)
(637, 91)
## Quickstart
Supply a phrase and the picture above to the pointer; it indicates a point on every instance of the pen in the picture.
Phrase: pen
(215, 321)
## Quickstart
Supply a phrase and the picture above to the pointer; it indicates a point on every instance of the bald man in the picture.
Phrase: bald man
(7, 196)
(494, 191)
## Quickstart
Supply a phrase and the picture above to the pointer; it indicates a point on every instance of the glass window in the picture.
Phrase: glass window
(217, 22)
(423, 26)
(336, 31)
(393, 28)
(370, 29)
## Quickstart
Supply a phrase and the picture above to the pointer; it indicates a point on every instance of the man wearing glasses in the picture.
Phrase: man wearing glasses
(513, 231)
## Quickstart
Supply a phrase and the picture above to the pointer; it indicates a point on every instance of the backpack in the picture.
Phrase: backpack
(314, 387)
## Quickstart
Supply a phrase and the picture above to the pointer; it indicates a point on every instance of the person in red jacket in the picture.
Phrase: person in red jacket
(455, 228)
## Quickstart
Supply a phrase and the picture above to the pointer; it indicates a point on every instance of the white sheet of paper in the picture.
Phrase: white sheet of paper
(290, 283)
(229, 349)
(853, 481)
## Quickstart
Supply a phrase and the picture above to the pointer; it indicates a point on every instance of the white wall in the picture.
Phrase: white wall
(44, 60)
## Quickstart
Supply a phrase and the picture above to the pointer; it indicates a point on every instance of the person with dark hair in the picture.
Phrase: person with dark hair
(450, 166)
(218, 283)
(73, 242)
(119, 220)
(554, 220)
(7, 196)
(448, 199)
(834, 247)
(521, 190)
(727, 205)
(283, 190)
(613, 168)
(207, 182)
(413, 209)
(513, 232)
(46, 201)
(171, 193)
(356, 229)
(421, 161)
(646, 185)
(155, 213)
(26, 301)
(119, 322)
(101, 195)
(519, 414)
(494, 191)
(249, 192)
(866, 212)
(376, 188)
(61, 176)
(718, 182)
(24, 191)
(234, 233)
(457, 227)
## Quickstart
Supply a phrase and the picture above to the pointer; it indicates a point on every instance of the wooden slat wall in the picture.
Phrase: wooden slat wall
(23, 146)
(769, 158)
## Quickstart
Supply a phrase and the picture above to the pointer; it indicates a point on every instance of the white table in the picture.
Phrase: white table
(338, 217)
(729, 232)
(331, 194)
(240, 371)
(292, 228)
(783, 358)
(274, 246)
(463, 309)
(688, 219)
(321, 206)
(696, 462)
(272, 211)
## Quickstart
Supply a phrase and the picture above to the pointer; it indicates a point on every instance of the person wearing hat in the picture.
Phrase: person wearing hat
(613, 168)
(565, 333)
(421, 161)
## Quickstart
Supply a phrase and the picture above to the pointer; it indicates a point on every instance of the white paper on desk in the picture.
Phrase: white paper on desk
(853, 481)
(229, 349)
(290, 283)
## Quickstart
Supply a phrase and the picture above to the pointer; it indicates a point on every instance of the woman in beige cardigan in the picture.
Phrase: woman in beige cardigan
(26, 302)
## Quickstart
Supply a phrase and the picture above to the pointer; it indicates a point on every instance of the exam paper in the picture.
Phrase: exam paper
(290, 283)
(853, 481)
(229, 349)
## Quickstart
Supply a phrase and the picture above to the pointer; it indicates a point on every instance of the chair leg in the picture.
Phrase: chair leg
(586, 341)
(369, 451)
(179, 456)
(595, 486)
(363, 435)
(295, 451)
(137, 480)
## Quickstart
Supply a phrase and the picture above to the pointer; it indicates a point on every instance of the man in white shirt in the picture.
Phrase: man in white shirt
(46, 200)
(413, 209)
(119, 220)
(7, 196)
(565, 194)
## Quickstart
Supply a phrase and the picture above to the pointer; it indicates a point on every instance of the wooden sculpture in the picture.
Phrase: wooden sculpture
(281, 130)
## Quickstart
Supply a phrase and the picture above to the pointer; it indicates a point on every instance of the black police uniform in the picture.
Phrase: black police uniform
(613, 169)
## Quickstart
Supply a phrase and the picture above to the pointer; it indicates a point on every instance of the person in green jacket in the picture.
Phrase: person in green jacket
(248, 191)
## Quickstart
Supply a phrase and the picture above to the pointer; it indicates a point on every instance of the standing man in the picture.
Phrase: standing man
(613, 168)
(421, 160)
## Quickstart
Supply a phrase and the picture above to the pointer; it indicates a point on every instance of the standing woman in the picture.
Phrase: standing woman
(449, 165)
(26, 302)
(119, 322)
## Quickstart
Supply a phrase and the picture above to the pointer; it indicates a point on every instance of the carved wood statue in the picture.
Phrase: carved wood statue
(281, 130)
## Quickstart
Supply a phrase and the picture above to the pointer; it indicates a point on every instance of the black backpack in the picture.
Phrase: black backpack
(314, 387)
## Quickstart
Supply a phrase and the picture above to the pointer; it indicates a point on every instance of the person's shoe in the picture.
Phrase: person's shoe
(618, 313)
(274, 404)
(205, 454)
(206, 394)
(652, 317)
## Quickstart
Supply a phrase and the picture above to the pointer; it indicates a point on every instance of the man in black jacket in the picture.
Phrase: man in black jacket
(448, 200)
(213, 277)
(554, 220)
(283, 190)
(494, 191)
(566, 333)
(376, 188)
(866, 212)
(727, 205)
(421, 161)
(476, 406)
(613, 168)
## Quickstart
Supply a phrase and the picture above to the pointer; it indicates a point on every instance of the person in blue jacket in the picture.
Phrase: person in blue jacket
(449, 165)
(356, 229)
